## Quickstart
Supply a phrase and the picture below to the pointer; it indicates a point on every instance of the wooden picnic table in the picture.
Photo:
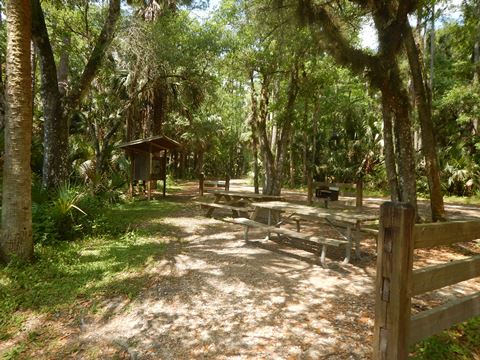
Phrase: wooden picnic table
(237, 201)
(350, 219)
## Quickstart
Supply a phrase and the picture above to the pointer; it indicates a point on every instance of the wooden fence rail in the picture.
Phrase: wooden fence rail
(395, 329)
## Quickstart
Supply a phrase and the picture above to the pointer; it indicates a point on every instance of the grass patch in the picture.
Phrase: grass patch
(107, 264)
(14, 352)
(463, 200)
(462, 342)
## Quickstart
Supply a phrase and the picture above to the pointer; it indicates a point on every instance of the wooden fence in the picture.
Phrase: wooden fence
(395, 328)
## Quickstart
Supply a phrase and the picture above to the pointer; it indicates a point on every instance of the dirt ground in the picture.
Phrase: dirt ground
(216, 297)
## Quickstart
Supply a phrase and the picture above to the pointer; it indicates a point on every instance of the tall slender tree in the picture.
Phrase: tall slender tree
(58, 106)
(16, 233)
(423, 101)
(382, 69)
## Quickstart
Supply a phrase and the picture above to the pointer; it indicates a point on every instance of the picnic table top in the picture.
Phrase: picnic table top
(350, 216)
(245, 194)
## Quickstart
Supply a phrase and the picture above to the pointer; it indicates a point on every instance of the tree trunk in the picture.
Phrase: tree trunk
(256, 182)
(476, 58)
(389, 151)
(34, 73)
(2, 87)
(96, 57)
(56, 108)
(316, 115)
(396, 98)
(285, 125)
(383, 71)
(292, 162)
(133, 114)
(305, 158)
(253, 125)
(159, 108)
(476, 63)
(432, 48)
(64, 67)
(102, 145)
(16, 234)
(55, 128)
(424, 109)
(261, 127)
(200, 160)
(181, 168)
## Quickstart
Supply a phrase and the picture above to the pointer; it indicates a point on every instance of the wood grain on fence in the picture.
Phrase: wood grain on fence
(395, 329)
(438, 276)
(437, 234)
(394, 256)
(430, 322)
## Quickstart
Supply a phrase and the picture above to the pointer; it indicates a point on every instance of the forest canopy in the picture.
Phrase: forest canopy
(277, 91)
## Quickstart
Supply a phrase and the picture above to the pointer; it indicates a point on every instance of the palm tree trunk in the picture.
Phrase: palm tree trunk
(16, 235)
(2, 87)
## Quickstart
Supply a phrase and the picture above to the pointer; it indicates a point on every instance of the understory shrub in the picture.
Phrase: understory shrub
(69, 212)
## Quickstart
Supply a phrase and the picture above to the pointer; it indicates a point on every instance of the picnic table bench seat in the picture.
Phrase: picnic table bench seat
(312, 239)
(239, 209)
(237, 201)
(368, 229)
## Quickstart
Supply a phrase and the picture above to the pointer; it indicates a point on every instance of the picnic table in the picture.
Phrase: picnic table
(349, 219)
(237, 201)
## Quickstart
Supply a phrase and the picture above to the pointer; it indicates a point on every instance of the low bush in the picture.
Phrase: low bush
(68, 213)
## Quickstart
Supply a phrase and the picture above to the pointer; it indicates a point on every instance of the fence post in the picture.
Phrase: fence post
(393, 283)
(310, 188)
(201, 179)
(359, 194)
(227, 183)
(131, 189)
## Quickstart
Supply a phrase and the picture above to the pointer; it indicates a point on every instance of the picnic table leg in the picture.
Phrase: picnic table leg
(357, 234)
(228, 199)
(348, 249)
(209, 212)
(278, 220)
(255, 214)
(233, 200)
(246, 233)
(216, 201)
(248, 203)
(322, 256)
(269, 222)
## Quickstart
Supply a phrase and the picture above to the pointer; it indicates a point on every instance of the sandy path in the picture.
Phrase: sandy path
(215, 297)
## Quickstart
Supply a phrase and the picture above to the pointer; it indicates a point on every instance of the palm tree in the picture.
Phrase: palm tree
(16, 233)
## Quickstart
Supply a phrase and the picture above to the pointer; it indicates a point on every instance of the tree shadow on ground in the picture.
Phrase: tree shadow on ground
(216, 297)
(208, 294)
